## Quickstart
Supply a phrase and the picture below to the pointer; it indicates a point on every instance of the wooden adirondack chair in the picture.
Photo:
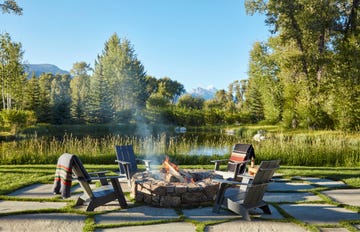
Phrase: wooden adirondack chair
(127, 161)
(97, 196)
(236, 164)
(250, 193)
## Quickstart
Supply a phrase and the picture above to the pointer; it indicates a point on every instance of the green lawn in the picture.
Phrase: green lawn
(13, 177)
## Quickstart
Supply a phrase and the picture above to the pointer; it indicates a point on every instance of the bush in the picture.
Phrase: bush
(15, 120)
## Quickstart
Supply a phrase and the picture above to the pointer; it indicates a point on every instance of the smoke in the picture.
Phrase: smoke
(153, 144)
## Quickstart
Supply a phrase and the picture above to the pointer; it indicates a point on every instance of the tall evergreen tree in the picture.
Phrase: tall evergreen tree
(80, 91)
(253, 102)
(123, 76)
(45, 112)
(60, 99)
(99, 108)
(32, 96)
(262, 70)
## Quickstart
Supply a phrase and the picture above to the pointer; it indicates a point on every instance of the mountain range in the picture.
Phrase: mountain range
(206, 93)
(37, 69)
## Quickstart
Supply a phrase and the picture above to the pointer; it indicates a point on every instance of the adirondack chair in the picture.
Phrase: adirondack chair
(250, 193)
(236, 164)
(70, 168)
(127, 161)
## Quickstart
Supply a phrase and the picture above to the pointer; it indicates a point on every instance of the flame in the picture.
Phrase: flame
(174, 169)
(167, 165)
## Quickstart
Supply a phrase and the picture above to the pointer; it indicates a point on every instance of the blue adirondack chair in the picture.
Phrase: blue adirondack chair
(127, 161)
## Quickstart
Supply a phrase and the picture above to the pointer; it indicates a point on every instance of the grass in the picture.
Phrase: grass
(350, 176)
(301, 148)
(13, 177)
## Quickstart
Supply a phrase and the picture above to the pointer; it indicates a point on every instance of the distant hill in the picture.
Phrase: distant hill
(206, 93)
(38, 69)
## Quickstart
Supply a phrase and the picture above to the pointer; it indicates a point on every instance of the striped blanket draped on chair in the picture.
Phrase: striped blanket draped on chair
(63, 175)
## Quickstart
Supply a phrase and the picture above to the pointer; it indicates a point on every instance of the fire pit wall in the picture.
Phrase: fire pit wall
(153, 189)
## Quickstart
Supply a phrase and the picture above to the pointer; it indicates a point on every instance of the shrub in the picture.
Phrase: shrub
(15, 120)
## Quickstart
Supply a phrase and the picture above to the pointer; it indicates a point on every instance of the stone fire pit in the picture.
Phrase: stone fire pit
(156, 189)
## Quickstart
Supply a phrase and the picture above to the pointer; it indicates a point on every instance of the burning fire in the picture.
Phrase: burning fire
(174, 170)
(169, 165)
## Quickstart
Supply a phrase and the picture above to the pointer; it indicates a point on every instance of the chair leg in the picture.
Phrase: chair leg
(79, 201)
(245, 213)
(91, 206)
(219, 197)
(119, 193)
(265, 209)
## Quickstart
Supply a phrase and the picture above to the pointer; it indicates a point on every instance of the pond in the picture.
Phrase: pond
(190, 143)
(204, 150)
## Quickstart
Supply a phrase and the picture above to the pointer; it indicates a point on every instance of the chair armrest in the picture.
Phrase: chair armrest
(100, 173)
(122, 162)
(216, 161)
(229, 182)
(241, 162)
(105, 177)
(246, 176)
(147, 163)
(126, 167)
(145, 160)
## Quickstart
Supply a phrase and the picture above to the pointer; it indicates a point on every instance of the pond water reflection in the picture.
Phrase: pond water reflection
(204, 150)
(200, 143)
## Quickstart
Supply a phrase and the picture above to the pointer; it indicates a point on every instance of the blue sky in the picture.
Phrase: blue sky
(198, 43)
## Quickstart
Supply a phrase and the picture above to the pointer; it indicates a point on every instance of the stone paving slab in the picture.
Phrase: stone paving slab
(34, 191)
(311, 213)
(136, 214)
(345, 196)
(323, 182)
(112, 205)
(245, 226)
(45, 191)
(206, 214)
(319, 213)
(333, 230)
(290, 197)
(164, 227)
(42, 222)
(16, 206)
(288, 186)
(42, 191)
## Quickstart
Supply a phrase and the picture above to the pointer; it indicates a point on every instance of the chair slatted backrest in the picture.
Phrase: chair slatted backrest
(240, 153)
(266, 171)
(126, 153)
(257, 189)
(82, 175)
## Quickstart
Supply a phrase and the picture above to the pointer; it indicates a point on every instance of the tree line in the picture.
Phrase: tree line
(306, 75)
(116, 90)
